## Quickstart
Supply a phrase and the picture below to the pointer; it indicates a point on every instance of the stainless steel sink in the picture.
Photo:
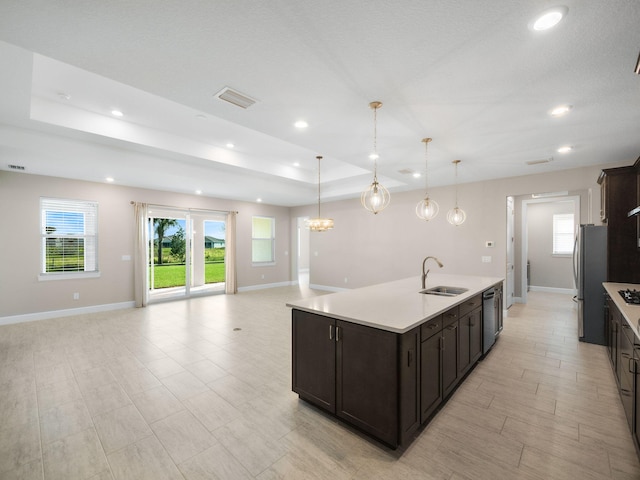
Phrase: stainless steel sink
(444, 291)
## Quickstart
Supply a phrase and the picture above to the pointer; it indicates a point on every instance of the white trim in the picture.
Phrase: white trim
(517, 300)
(45, 277)
(567, 291)
(30, 317)
(265, 285)
(327, 288)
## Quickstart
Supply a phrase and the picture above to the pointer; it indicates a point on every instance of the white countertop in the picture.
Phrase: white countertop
(395, 306)
(630, 312)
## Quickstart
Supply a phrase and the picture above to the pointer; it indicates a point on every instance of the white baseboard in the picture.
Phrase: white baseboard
(517, 300)
(30, 317)
(327, 288)
(266, 285)
(567, 291)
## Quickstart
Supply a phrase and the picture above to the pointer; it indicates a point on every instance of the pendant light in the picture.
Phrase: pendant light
(376, 197)
(456, 215)
(426, 209)
(319, 224)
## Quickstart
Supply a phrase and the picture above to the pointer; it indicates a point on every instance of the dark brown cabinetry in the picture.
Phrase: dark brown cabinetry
(386, 384)
(450, 341)
(357, 373)
(430, 367)
(619, 195)
(470, 333)
(612, 325)
(626, 370)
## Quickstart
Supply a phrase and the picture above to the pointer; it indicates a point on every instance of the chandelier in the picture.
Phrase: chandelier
(456, 215)
(319, 224)
(426, 209)
(376, 197)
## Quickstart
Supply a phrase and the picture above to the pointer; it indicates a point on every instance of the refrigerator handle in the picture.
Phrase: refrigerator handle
(575, 261)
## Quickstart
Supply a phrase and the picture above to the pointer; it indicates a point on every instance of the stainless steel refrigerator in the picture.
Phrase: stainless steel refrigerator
(589, 271)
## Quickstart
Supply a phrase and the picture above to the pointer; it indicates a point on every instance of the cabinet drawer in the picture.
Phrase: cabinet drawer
(449, 317)
(430, 328)
(471, 304)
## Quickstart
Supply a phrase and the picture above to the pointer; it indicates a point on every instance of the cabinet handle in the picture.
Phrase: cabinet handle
(330, 332)
(432, 326)
(631, 370)
(337, 334)
(452, 327)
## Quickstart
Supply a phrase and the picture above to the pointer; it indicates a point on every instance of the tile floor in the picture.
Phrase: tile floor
(200, 389)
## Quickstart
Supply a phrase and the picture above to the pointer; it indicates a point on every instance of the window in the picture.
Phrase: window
(263, 240)
(69, 238)
(563, 234)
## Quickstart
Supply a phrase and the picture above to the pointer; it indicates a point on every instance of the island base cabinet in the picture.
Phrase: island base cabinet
(353, 372)
(430, 377)
(367, 379)
(450, 342)
(314, 359)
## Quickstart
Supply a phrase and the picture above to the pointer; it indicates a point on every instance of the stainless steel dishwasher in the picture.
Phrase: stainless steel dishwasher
(488, 319)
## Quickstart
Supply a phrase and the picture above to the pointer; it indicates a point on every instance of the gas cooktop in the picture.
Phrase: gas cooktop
(632, 297)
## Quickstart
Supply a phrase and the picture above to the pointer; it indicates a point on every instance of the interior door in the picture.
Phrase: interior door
(510, 286)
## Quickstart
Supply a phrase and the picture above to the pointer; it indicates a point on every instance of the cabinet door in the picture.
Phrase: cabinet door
(625, 367)
(636, 395)
(367, 379)
(409, 382)
(464, 354)
(314, 358)
(475, 336)
(449, 357)
(430, 376)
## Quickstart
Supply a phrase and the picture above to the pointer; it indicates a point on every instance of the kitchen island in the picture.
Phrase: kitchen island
(384, 358)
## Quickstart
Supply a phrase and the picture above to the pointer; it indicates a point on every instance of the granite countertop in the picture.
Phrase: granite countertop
(630, 312)
(395, 306)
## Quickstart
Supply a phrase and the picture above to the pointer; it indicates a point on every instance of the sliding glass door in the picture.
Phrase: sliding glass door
(186, 252)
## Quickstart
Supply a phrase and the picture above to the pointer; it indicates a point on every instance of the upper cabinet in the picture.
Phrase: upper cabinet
(619, 195)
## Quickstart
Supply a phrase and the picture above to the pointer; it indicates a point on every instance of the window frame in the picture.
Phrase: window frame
(89, 236)
(272, 239)
(564, 237)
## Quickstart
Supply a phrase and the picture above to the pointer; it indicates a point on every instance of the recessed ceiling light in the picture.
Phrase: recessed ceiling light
(417, 174)
(565, 149)
(301, 124)
(259, 200)
(117, 113)
(201, 116)
(548, 19)
(560, 110)
(296, 164)
(198, 192)
(374, 156)
(230, 145)
(109, 179)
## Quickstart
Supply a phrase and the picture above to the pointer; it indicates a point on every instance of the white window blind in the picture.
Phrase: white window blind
(263, 239)
(563, 234)
(69, 236)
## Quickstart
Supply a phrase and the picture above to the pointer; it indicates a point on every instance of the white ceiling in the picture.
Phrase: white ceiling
(468, 73)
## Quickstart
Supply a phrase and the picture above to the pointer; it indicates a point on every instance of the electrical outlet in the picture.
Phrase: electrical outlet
(486, 259)
(76, 296)
(346, 280)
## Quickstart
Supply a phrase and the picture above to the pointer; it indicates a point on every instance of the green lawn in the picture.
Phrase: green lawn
(173, 275)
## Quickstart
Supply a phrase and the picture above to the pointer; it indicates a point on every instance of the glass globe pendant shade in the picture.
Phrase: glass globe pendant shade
(319, 224)
(427, 209)
(456, 216)
(375, 198)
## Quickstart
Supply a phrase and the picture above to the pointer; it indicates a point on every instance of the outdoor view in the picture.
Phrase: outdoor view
(168, 256)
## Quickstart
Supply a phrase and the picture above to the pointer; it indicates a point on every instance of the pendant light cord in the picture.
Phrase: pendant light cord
(319, 158)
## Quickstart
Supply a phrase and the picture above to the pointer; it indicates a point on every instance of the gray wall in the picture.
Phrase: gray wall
(22, 293)
(547, 270)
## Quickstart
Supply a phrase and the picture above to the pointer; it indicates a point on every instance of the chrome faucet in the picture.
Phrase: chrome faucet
(424, 274)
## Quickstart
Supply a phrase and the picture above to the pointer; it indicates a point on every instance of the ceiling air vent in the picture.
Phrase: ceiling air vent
(538, 162)
(232, 96)
(16, 167)
(405, 171)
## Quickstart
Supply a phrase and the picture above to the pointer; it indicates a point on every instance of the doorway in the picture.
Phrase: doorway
(537, 266)
(186, 253)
